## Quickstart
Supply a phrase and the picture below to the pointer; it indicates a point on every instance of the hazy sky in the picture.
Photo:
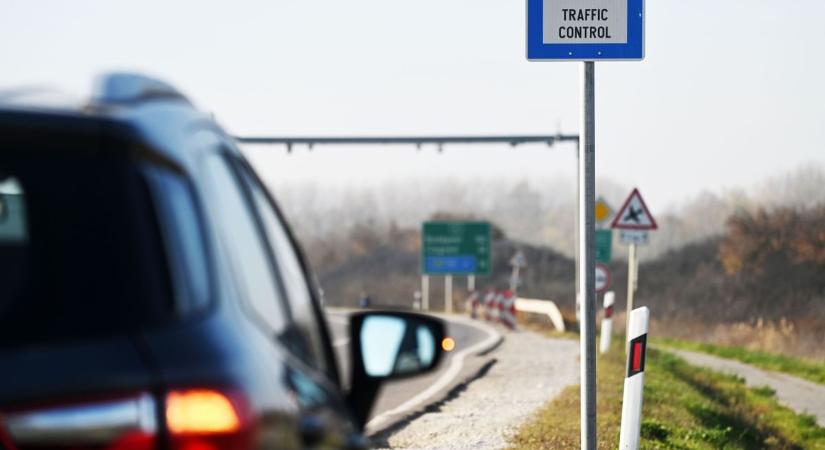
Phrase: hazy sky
(731, 91)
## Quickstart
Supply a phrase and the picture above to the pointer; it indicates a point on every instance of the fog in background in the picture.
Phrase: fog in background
(533, 210)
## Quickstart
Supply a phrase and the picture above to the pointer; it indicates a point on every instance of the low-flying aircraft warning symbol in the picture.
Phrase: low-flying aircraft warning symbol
(634, 214)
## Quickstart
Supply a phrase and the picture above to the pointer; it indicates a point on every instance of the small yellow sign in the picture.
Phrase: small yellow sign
(603, 211)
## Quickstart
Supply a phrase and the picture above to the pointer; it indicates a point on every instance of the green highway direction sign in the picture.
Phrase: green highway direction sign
(455, 248)
(604, 246)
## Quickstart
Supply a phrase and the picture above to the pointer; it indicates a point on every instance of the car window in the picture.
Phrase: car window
(184, 239)
(241, 239)
(13, 227)
(79, 249)
(291, 271)
(14, 250)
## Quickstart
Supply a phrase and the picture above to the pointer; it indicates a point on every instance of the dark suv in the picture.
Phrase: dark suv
(153, 297)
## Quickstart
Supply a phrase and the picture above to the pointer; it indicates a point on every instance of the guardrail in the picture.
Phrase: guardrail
(546, 307)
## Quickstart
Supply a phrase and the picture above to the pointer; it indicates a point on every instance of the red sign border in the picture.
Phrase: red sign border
(615, 225)
(609, 278)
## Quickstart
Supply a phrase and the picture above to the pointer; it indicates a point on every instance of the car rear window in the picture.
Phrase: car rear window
(79, 248)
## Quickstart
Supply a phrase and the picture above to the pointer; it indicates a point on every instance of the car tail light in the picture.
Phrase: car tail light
(196, 419)
(209, 419)
(123, 423)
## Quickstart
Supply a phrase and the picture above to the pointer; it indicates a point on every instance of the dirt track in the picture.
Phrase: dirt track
(800, 395)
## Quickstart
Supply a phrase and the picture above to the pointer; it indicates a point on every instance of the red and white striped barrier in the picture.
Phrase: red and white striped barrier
(607, 321)
(494, 306)
(634, 382)
(507, 309)
(490, 306)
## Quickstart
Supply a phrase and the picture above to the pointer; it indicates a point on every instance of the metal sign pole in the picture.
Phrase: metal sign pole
(471, 283)
(514, 278)
(587, 256)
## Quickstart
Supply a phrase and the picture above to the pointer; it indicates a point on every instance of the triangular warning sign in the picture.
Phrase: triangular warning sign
(634, 215)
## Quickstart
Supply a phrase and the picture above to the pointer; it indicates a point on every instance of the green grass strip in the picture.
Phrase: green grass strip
(685, 407)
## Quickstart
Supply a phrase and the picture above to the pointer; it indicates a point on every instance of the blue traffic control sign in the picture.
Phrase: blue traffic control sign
(585, 30)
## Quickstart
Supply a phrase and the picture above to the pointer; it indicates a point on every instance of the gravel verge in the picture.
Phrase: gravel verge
(525, 372)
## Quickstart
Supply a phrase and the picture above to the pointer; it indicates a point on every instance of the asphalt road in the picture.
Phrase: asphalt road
(400, 399)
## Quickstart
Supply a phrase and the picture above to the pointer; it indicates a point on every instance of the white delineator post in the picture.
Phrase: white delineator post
(635, 379)
(607, 321)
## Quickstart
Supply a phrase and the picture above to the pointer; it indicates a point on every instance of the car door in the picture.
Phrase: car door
(311, 375)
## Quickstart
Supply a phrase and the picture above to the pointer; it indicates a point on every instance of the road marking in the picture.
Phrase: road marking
(456, 363)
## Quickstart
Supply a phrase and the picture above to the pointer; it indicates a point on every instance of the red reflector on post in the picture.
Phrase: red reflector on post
(637, 356)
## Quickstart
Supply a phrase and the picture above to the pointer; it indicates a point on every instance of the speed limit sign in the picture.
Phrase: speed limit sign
(603, 278)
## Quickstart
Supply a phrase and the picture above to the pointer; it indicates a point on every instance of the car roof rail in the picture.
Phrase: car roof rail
(124, 87)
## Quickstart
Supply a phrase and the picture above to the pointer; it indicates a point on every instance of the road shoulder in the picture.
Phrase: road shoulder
(527, 370)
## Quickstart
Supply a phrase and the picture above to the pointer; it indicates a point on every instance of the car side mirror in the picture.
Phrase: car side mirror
(392, 345)
(388, 345)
